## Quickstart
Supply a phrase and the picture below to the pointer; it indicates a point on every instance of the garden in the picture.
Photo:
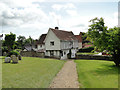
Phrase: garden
(33, 72)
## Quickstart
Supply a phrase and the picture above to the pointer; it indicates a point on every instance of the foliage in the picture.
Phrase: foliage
(87, 49)
(85, 38)
(18, 50)
(4, 49)
(21, 42)
(10, 40)
(29, 40)
(30, 73)
(105, 39)
(97, 74)
(14, 52)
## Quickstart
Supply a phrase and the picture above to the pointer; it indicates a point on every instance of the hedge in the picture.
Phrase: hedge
(88, 49)
(14, 52)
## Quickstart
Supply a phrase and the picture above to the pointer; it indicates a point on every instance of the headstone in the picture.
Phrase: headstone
(14, 59)
(7, 60)
(19, 57)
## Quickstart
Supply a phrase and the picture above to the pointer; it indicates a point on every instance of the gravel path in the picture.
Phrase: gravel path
(67, 77)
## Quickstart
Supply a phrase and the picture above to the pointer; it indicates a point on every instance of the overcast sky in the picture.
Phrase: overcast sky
(35, 17)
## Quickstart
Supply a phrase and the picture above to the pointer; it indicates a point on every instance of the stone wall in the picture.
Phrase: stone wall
(32, 54)
(93, 57)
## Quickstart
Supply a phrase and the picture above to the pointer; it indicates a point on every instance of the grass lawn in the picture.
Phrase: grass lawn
(97, 74)
(0, 72)
(30, 72)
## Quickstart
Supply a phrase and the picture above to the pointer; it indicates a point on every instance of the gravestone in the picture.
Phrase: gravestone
(7, 60)
(14, 59)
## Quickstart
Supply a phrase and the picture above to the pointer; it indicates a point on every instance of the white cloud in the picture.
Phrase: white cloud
(72, 12)
(111, 21)
(54, 19)
(27, 18)
(22, 17)
(17, 16)
(19, 3)
(63, 6)
(81, 1)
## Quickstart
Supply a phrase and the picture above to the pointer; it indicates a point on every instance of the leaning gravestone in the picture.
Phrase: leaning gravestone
(19, 57)
(7, 60)
(14, 59)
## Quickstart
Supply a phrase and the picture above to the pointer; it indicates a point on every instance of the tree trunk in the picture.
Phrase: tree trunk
(9, 49)
(116, 59)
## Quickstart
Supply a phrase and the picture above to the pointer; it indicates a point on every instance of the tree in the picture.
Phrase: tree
(10, 40)
(30, 41)
(105, 39)
(21, 41)
(85, 38)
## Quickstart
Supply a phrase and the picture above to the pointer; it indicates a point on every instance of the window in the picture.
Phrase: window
(52, 43)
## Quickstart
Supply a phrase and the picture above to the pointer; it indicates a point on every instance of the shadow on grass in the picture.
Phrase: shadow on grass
(106, 69)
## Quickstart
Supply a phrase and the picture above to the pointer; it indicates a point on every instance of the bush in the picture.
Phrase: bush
(19, 50)
(88, 49)
(14, 52)
(4, 49)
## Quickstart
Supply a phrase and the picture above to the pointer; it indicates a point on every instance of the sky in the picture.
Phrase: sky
(35, 17)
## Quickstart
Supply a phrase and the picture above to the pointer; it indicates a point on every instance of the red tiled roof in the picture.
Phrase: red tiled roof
(64, 35)
(79, 38)
(41, 39)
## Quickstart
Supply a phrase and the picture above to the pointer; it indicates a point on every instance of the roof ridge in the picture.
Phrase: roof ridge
(60, 30)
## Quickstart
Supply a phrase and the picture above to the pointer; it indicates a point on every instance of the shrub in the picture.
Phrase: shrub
(14, 52)
(4, 49)
(88, 49)
(18, 50)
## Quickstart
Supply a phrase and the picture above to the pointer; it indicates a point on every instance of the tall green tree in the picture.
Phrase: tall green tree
(105, 39)
(30, 41)
(10, 40)
(21, 41)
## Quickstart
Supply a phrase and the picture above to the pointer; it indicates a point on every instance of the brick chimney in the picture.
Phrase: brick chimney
(57, 28)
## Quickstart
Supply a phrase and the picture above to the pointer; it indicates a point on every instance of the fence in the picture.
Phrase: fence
(32, 54)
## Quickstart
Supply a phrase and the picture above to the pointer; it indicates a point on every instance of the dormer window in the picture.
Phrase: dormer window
(52, 43)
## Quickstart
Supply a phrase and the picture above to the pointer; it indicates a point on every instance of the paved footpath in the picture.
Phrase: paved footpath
(67, 77)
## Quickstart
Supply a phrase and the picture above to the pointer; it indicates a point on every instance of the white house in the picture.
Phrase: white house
(59, 43)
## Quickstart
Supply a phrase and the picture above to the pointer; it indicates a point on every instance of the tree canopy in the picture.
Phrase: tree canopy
(21, 41)
(10, 40)
(105, 39)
